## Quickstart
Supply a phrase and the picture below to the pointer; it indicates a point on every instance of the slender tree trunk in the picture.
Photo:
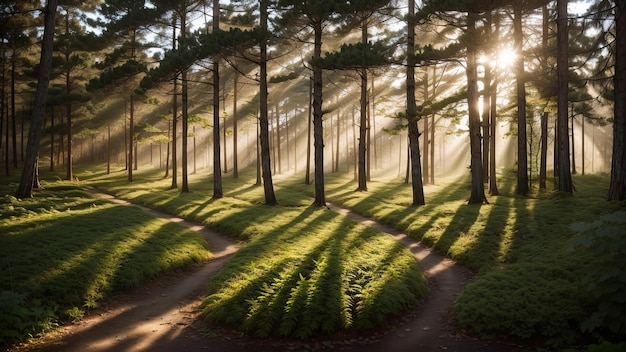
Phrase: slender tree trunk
(217, 168)
(363, 146)
(522, 153)
(131, 138)
(51, 138)
(173, 137)
(617, 187)
(486, 119)
(426, 136)
(266, 164)
(108, 149)
(28, 179)
(573, 147)
(411, 112)
(544, 117)
(582, 143)
(565, 176)
(338, 129)
(307, 176)
(318, 127)
(544, 151)
(493, 122)
(185, 112)
(478, 188)
(235, 132)
(13, 117)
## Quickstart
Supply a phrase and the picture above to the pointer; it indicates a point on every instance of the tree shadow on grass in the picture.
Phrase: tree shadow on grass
(314, 274)
(70, 261)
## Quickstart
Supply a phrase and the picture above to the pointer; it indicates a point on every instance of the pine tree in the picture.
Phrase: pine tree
(411, 111)
(28, 179)
(564, 170)
(617, 187)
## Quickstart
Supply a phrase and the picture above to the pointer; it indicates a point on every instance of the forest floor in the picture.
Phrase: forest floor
(163, 314)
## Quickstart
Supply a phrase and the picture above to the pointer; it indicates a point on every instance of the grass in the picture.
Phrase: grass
(304, 271)
(530, 279)
(64, 251)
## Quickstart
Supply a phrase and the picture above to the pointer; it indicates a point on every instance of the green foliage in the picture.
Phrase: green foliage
(524, 300)
(199, 45)
(63, 252)
(129, 69)
(304, 271)
(518, 246)
(318, 278)
(356, 56)
(21, 318)
(605, 280)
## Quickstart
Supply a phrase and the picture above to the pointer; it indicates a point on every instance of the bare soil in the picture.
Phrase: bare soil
(163, 315)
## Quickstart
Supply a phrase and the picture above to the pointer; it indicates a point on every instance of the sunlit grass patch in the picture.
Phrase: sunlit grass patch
(529, 283)
(68, 251)
(317, 273)
(304, 270)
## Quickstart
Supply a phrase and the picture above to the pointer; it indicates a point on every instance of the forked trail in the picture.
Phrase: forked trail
(162, 316)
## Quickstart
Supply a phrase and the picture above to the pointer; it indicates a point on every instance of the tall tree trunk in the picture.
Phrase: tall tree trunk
(411, 112)
(522, 153)
(51, 138)
(131, 138)
(543, 163)
(573, 146)
(307, 176)
(617, 187)
(28, 179)
(477, 195)
(426, 136)
(318, 127)
(174, 137)
(363, 145)
(235, 132)
(185, 112)
(217, 168)
(565, 176)
(13, 117)
(108, 149)
(486, 119)
(493, 91)
(266, 165)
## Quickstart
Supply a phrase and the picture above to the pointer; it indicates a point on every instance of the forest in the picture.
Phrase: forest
(491, 131)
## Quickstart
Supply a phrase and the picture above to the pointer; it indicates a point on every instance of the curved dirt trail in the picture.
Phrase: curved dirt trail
(161, 316)
(430, 328)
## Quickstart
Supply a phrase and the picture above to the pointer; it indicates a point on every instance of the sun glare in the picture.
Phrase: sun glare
(506, 57)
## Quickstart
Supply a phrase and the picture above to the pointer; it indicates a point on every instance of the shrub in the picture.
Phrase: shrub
(605, 281)
(21, 318)
(523, 300)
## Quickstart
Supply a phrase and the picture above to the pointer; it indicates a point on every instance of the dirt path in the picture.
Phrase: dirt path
(161, 316)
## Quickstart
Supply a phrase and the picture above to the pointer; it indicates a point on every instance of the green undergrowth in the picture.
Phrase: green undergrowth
(531, 280)
(63, 251)
(303, 271)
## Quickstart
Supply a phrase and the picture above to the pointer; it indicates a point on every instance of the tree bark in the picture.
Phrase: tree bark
(564, 173)
(522, 152)
(477, 195)
(363, 122)
(28, 178)
(411, 112)
(543, 163)
(266, 164)
(426, 141)
(617, 187)
(217, 163)
(318, 129)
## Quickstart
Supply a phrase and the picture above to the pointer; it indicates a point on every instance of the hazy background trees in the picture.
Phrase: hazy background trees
(485, 77)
